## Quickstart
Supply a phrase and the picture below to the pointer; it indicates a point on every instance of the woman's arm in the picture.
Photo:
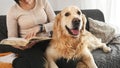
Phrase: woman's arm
(50, 14)
(12, 26)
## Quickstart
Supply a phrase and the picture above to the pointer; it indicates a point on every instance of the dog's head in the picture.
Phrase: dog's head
(70, 21)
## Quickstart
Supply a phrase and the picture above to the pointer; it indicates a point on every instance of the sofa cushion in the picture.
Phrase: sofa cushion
(101, 30)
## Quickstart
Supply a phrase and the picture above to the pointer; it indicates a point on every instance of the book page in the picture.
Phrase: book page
(15, 41)
(22, 41)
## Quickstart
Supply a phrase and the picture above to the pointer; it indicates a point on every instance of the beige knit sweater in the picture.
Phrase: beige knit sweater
(23, 21)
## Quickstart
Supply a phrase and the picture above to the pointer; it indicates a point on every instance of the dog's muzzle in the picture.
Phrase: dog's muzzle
(75, 27)
(76, 23)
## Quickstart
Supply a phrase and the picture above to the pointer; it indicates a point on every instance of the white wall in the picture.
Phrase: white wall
(4, 6)
(103, 5)
(83, 4)
(60, 4)
(56, 4)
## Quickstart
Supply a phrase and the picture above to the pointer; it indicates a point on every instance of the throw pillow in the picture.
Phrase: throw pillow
(101, 30)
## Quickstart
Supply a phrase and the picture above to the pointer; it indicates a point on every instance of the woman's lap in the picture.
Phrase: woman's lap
(31, 58)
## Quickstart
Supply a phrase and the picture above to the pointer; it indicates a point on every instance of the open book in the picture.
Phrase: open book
(22, 41)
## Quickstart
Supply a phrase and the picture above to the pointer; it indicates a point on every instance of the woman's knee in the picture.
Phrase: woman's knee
(27, 63)
(20, 63)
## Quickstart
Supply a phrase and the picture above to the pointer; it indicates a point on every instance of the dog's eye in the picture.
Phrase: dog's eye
(67, 14)
(78, 12)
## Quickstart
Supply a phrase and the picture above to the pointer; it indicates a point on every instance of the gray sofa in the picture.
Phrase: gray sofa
(109, 60)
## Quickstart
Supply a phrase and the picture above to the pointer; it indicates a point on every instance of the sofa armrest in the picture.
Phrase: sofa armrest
(95, 14)
(3, 28)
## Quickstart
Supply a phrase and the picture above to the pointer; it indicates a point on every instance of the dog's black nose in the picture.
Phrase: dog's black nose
(76, 20)
(76, 23)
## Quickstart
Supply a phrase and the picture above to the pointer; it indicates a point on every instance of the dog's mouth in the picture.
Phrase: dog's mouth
(74, 31)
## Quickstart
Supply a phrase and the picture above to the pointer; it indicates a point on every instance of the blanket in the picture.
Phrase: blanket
(109, 60)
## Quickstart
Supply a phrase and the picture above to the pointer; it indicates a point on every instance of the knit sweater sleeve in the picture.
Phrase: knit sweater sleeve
(50, 14)
(12, 26)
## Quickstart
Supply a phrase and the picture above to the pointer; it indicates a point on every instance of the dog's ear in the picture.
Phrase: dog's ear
(84, 22)
(57, 24)
(57, 19)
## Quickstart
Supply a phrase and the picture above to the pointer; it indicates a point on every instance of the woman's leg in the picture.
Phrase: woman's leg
(31, 58)
(20, 63)
(7, 48)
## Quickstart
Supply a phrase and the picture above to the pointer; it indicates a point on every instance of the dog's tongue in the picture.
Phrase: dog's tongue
(75, 32)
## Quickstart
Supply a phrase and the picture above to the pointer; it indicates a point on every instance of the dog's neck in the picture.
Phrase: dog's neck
(67, 46)
(67, 41)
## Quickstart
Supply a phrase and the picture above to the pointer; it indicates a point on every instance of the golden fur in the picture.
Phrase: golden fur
(68, 43)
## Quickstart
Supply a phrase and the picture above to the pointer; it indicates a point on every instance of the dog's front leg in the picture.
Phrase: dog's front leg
(51, 58)
(81, 65)
(88, 60)
(52, 64)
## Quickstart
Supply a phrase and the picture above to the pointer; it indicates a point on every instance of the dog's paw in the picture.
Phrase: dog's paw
(81, 65)
(107, 49)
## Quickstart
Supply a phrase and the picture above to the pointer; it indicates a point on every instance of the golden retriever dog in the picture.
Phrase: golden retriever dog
(72, 41)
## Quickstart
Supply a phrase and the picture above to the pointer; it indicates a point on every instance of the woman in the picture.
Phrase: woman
(26, 19)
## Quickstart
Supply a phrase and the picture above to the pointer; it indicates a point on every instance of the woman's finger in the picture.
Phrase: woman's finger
(30, 35)
(27, 36)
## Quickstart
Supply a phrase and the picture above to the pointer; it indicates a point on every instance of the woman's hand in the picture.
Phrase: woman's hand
(29, 45)
(33, 32)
